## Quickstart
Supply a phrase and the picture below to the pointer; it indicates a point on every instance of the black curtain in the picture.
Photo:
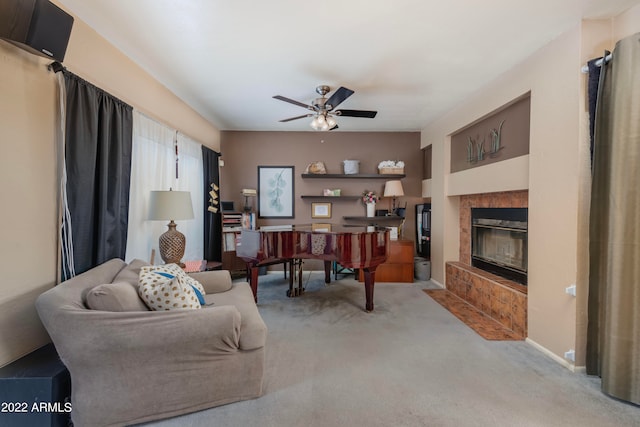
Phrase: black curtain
(98, 163)
(592, 88)
(212, 220)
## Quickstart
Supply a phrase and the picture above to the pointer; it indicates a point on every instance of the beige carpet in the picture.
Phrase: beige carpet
(408, 363)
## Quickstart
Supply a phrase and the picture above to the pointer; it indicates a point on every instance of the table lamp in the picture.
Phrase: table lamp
(171, 205)
(393, 189)
(248, 192)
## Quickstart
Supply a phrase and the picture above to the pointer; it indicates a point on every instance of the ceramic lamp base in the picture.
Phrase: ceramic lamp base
(172, 244)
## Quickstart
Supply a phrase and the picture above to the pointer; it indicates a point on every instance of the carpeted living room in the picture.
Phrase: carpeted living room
(282, 214)
(409, 363)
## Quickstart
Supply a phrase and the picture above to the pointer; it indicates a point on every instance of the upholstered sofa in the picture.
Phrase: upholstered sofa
(139, 365)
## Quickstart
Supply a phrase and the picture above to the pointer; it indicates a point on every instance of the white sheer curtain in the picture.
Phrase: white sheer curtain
(153, 167)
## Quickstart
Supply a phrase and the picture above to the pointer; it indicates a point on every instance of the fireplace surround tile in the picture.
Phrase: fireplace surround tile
(474, 293)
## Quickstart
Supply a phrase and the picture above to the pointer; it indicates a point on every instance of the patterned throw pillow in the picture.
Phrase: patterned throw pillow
(174, 270)
(167, 287)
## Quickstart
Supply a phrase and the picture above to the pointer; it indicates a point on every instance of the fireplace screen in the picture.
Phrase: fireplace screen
(499, 245)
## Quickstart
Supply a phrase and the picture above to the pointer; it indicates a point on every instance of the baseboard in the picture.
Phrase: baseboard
(438, 283)
(570, 366)
(580, 370)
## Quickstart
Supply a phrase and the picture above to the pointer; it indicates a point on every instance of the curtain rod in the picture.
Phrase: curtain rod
(57, 67)
(585, 68)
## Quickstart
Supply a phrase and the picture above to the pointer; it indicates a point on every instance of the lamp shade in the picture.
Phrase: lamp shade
(393, 188)
(170, 205)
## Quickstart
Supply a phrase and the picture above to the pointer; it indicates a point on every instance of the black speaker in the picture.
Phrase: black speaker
(35, 390)
(37, 26)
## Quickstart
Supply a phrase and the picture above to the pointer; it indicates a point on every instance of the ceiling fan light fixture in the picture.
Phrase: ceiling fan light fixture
(323, 108)
(321, 122)
(315, 124)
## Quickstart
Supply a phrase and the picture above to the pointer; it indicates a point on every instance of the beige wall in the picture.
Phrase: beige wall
(29, 123)
(557, 176)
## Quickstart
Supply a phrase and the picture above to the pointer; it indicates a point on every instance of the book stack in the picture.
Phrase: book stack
(231, 221)
(249, 220)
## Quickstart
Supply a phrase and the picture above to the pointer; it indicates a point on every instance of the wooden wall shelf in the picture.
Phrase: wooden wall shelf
(328, 198)
(389, 218)
(353, 176)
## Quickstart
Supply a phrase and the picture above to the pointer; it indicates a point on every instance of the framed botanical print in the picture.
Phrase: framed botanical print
(276, 191)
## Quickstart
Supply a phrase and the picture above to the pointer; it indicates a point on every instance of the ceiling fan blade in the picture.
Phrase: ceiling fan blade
(293, 101)
(295, 118)
(356, 113)
(339, 96)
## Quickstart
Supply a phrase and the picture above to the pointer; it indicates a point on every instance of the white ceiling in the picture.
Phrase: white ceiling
(411, 60)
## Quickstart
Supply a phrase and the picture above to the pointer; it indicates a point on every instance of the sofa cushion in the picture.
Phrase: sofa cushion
(131, 272)
(118, 296)
(162, 290)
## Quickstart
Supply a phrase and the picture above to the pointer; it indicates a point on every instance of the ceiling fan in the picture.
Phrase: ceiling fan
(323, 108)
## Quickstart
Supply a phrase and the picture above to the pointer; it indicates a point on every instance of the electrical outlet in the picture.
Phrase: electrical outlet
(570, 355)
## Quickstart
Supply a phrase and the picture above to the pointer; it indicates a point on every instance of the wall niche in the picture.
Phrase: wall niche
(502, 134)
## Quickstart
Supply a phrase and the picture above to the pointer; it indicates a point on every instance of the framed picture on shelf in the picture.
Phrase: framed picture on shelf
(321, 227)
(320, 210)
(275, 191)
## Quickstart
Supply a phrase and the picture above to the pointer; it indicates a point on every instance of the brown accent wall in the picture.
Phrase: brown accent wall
(427, 160)
(243, 152)
(514, 135)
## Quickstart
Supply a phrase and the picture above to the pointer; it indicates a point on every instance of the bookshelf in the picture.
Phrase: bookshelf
(232, 224)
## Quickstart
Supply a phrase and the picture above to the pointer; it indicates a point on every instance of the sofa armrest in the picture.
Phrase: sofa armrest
(214, 281)
(116, 338)
(253, 330)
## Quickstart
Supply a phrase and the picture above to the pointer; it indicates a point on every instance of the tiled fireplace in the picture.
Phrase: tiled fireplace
(502, 299)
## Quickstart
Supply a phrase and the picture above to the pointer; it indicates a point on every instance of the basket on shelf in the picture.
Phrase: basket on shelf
(391, 167)
(390, 171)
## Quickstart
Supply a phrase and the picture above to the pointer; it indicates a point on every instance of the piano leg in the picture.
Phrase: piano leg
(252, 271)
(327, 271)
(369, 282)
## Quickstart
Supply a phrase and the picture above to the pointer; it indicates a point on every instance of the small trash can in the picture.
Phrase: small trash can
(422, 268)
